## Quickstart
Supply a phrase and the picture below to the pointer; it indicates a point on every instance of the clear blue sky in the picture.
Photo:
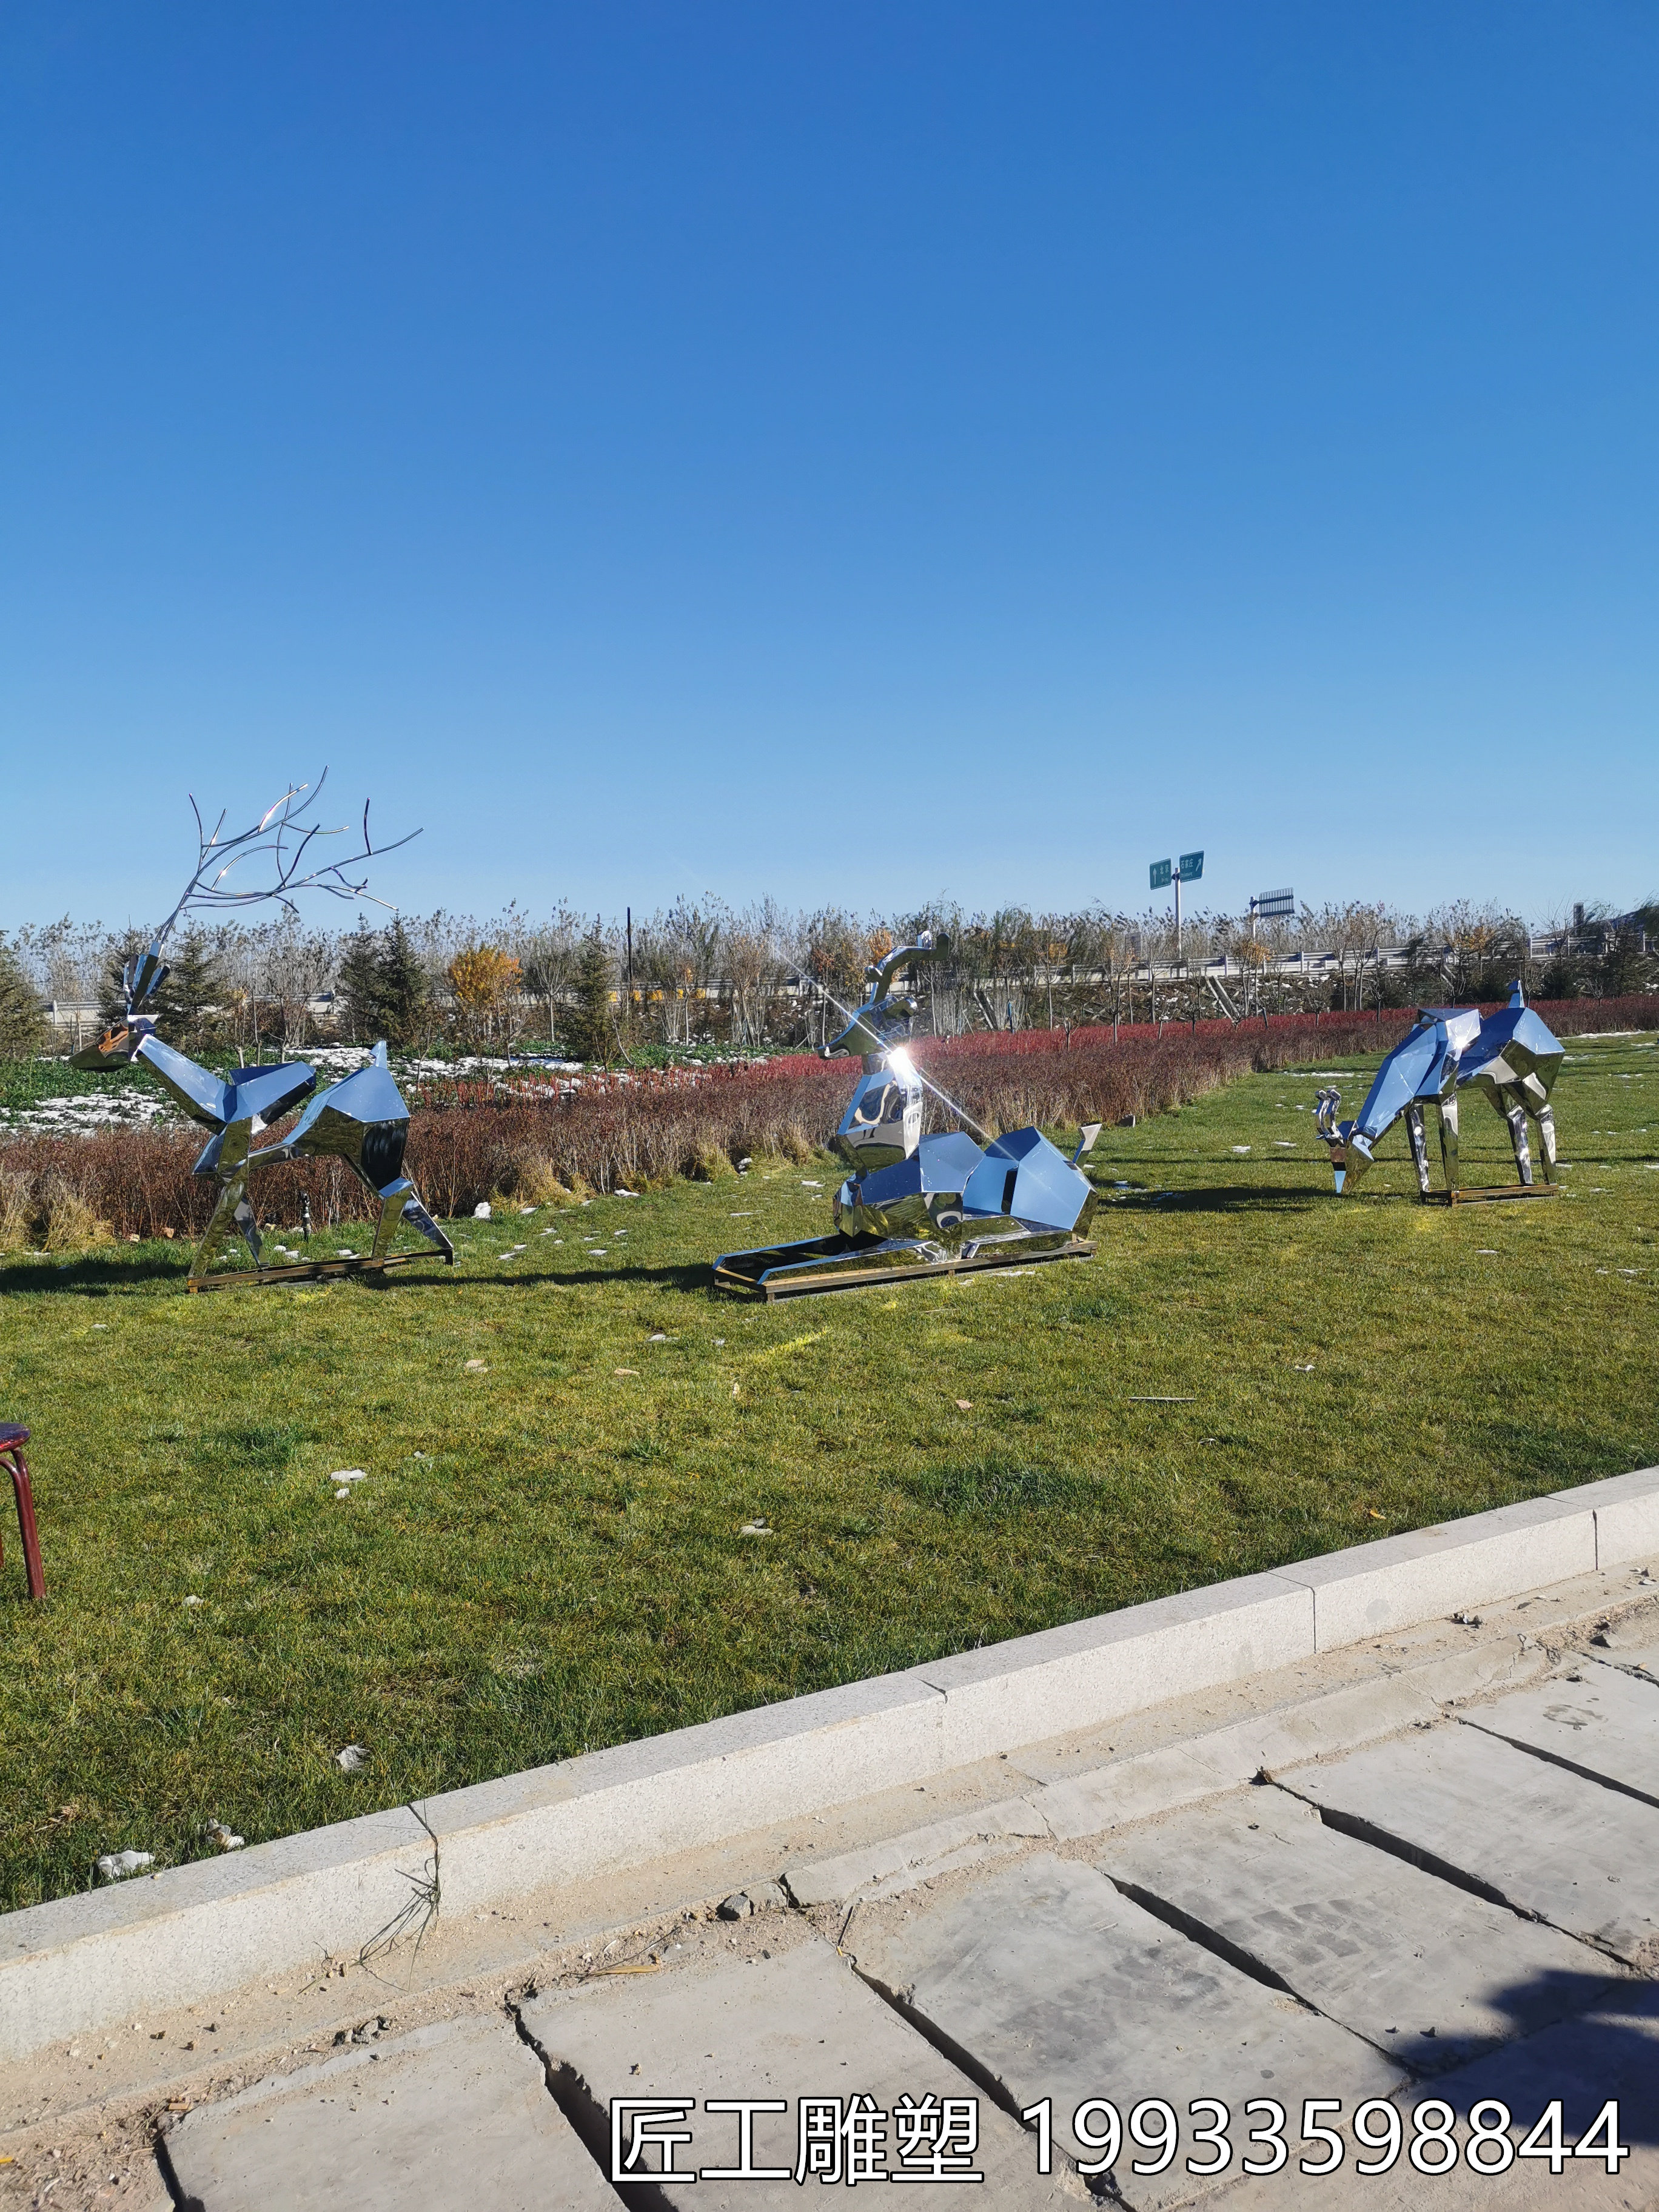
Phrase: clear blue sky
(861, 453)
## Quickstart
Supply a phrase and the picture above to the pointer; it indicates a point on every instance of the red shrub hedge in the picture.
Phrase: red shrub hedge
(647, 1127)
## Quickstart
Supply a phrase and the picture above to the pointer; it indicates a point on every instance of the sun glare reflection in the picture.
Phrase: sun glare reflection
(908, 1071)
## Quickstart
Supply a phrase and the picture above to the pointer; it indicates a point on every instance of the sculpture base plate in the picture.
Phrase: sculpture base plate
(838, 1262)
(306, 1271)
(1481, 1194)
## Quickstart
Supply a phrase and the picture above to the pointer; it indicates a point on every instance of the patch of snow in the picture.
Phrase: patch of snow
(117, 1866)
(112, 1110)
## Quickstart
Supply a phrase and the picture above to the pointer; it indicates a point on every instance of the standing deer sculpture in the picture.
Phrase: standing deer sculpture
(361, 1120)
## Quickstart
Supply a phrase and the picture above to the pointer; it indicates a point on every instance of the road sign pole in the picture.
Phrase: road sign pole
(1163, 874)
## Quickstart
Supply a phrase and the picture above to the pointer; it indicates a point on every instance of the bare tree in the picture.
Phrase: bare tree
(298, 965)
(1479, 950)
(755, 962)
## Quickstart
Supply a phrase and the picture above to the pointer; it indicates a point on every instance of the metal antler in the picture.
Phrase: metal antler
(262, 838)
(278, 837)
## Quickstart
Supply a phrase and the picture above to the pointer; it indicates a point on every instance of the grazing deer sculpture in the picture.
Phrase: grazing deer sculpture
(1511, 1057)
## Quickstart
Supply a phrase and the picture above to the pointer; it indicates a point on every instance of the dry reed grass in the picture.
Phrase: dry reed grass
(48, 1210)
(16, 1210)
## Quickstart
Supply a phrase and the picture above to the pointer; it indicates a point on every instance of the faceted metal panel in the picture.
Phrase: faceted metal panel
(1047, 1192)
(883, 1121)
(203, 1095)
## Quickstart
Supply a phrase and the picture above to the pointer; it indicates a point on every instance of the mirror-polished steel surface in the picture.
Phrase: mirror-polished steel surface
(1512, 1058)
(361, 1120)
(922, 1205)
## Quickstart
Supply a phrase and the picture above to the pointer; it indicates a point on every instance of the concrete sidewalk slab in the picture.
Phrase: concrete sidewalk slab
(1641, 1660)
(798, 2026)
(453, 2115)
(1426, 1972)
(1053, 1984)
(1597, 1721)
(1524, 1831)
(1611, 2051)
(1132, 1789)
(922, 1851)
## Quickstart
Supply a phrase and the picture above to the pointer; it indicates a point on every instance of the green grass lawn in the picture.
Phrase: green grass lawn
(547, 1553)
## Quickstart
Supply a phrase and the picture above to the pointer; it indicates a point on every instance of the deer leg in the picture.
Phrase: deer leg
(400, 1201)
(231, 1212)
(1516, 1115)
(1419, 1146)
(1545, 1118)
(1449, 1140)
(418, 1217)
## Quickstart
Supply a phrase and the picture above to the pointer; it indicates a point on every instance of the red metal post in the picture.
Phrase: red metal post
(12, 1441)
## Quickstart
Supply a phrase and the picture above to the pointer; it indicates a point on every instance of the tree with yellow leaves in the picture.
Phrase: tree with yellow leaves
(484, 979)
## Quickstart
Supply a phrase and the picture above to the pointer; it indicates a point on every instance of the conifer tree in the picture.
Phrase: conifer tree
(359, 981)
(587, 1029)
(186, 1005)
(403, 994)
(23, 1029)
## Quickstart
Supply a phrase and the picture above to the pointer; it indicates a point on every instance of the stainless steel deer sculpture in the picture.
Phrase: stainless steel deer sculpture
(361, 1120)
(1510, 1057)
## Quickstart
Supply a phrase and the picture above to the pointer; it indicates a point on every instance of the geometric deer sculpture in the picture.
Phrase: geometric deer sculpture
(1511, 1057)
(917, 1204)
(361, 1120)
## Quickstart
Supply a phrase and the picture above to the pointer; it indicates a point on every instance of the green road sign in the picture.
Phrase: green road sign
(1160, 875)
(1192, 867)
